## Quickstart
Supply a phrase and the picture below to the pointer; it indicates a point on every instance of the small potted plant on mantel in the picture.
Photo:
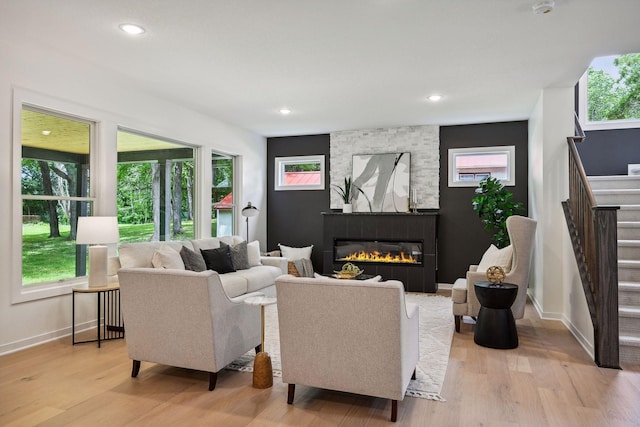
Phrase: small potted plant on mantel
(346, 194)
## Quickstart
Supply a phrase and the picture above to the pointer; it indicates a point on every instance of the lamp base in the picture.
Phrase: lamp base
(97, 266)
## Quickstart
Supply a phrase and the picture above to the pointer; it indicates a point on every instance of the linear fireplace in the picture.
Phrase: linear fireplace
(396, 246)
(377, 251)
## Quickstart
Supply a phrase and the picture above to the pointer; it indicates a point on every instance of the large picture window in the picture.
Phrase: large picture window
(55, 190)
(155, 188)
(222, 195)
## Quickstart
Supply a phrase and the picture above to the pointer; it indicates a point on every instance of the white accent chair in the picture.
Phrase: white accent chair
(347, 335)
(185, 319)
(522, 236)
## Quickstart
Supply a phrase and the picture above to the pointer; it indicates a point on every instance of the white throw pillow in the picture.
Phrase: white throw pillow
(253, 253)
(293, 254)
(168, 258)
(494, 256)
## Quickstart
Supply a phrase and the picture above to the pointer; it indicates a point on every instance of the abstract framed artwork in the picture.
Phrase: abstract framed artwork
(383, 180)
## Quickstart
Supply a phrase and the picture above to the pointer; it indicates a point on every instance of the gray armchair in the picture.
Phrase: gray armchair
(522, 235)
(185, 319)
(347, 335)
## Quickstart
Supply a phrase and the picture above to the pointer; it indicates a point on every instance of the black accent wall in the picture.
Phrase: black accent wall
(461, 236)
(608, 152)
(294, 217)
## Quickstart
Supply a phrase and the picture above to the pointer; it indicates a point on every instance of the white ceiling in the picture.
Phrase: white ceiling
(337, 64)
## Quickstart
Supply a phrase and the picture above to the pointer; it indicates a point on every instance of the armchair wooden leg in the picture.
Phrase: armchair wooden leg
(292, 391)
(258, 348)
(413, 377)
(457, 318)
(394, 410)
(135, 370)
(213, 377)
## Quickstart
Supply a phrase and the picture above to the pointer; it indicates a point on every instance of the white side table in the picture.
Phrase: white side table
(262, 371)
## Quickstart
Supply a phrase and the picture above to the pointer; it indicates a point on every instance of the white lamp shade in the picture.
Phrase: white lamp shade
(97, 230)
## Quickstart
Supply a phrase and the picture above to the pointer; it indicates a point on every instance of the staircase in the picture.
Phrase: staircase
(624, 191)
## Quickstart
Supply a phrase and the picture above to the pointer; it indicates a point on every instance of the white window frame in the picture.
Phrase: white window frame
(21, 97)
(510, 150)
(281, 162)
(583, 113)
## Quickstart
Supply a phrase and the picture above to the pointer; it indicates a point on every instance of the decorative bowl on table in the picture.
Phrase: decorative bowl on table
(349, 271)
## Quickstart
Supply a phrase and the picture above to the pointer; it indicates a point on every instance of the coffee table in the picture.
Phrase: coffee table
(262, 370)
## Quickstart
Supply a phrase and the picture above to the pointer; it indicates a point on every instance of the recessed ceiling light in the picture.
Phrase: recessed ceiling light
(46, 132)
(285, 111)
(435, 98)
(132, 29)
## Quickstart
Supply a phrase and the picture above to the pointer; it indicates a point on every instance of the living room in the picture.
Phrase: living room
(48, 75)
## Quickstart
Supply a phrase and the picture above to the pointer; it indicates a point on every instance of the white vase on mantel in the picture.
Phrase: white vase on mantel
(347, 208)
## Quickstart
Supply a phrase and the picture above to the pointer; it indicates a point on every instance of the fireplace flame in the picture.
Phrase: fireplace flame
(377, 256)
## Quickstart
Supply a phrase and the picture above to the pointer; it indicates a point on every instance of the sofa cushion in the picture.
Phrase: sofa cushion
(494, 256)
(168, 258)
(239, 256)
(234, 284)
(293, 254)
(253, 253)
(192, 260)
(140, 254)
(259, 277)
(218, 260)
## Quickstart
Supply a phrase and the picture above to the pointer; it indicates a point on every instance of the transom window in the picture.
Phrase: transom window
(469, 166)
(609, 93)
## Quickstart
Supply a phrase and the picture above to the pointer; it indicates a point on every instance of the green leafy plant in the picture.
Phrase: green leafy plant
(494, 204)
(346, 192)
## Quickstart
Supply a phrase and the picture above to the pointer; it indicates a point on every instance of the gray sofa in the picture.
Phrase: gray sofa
(258, 278)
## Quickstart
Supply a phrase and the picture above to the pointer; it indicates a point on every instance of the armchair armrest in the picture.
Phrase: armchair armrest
(474, 277)
(275, 261)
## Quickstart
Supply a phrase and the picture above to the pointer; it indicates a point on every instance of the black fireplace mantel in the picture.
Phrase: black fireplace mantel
(421, 226)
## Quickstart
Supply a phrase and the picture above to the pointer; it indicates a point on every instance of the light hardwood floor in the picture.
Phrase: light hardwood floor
(547, 381)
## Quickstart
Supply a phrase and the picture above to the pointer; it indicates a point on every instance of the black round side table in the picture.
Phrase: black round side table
(495, 326)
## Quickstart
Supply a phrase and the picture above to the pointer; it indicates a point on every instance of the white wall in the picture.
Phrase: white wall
(116, 102)
(555, 287)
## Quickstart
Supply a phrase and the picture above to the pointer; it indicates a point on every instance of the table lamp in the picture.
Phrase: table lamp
(247, 212)
(97, 231)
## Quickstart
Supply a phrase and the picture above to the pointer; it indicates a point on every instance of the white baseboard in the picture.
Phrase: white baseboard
(23, 344)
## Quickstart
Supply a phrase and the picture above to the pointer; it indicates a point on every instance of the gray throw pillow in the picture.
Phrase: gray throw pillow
(239, 255)
(192, 260)
(218, 259)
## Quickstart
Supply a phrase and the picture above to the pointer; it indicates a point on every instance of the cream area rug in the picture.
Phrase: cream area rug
(436, 333)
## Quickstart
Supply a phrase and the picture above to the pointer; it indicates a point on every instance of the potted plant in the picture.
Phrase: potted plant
(346, 194)
(494, 204)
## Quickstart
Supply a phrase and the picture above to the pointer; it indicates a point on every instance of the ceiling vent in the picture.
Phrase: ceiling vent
(543, 7)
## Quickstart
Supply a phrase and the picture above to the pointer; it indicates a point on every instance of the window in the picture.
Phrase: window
(609, 93)
(155, 188)
(222, 195)
(299, 173)
(468, 166)
(54, 159)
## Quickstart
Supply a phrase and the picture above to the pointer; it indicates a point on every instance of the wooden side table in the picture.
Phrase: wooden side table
(262, 370)
(495, 326)
(108, 307)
